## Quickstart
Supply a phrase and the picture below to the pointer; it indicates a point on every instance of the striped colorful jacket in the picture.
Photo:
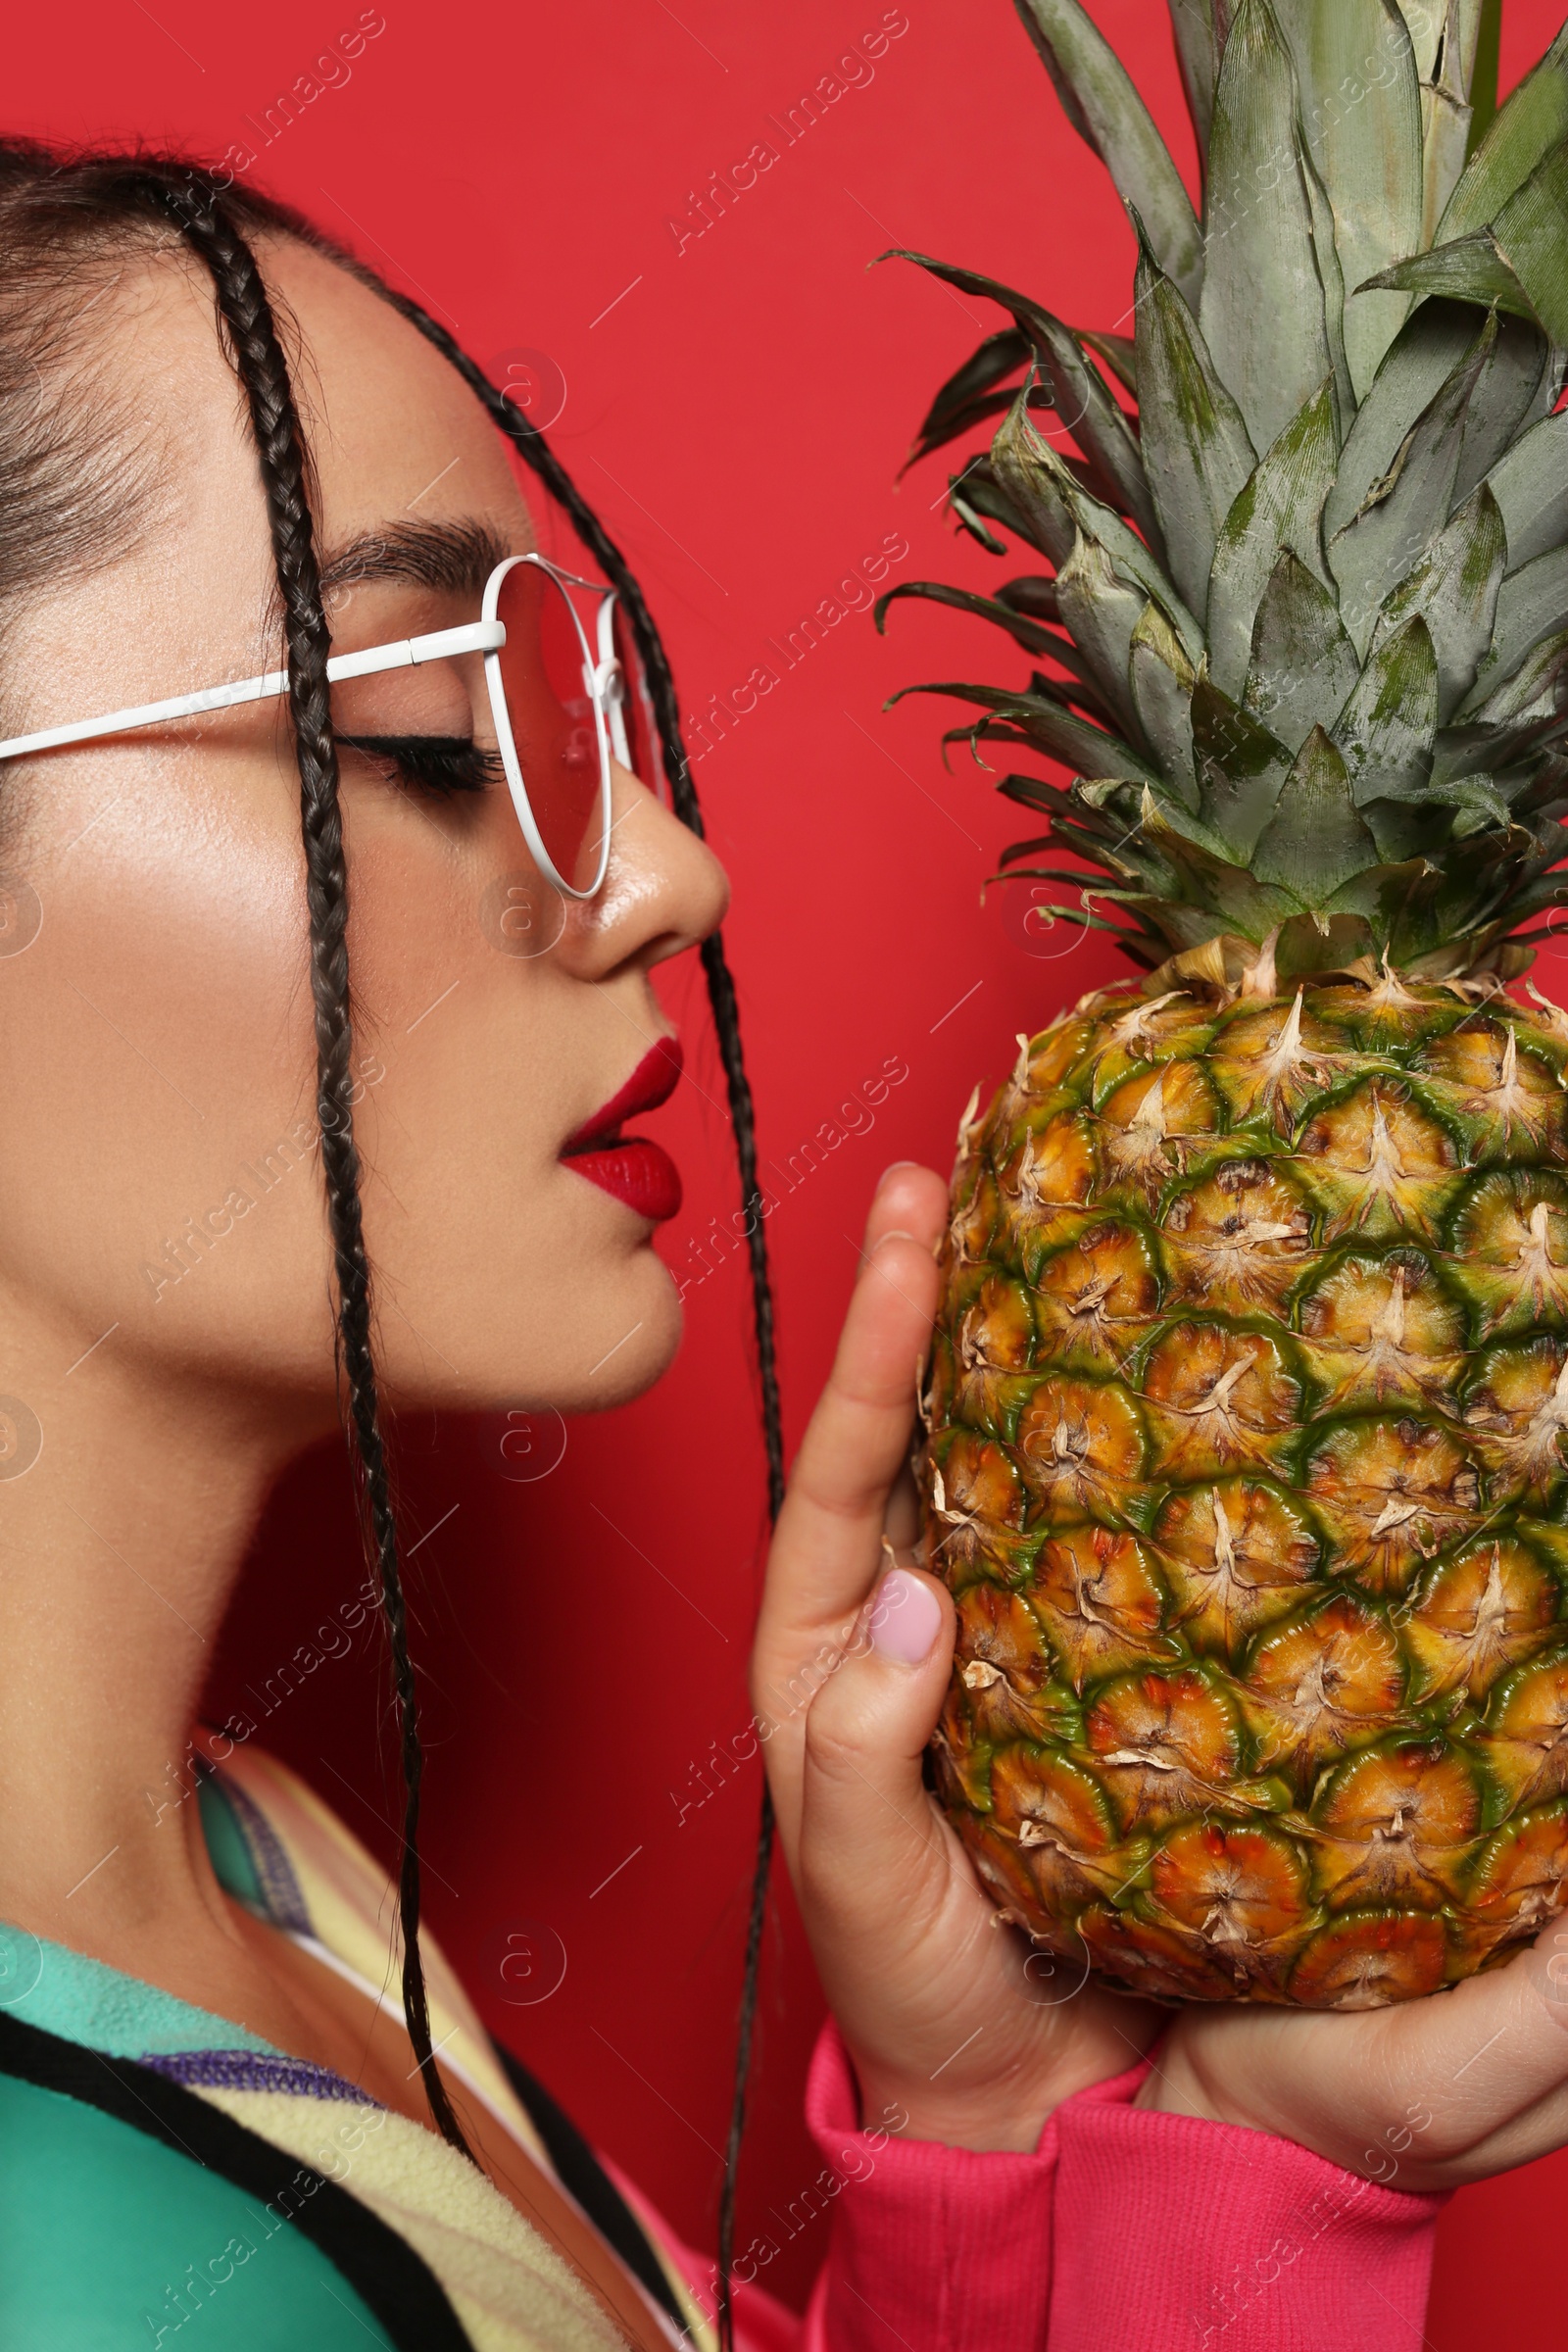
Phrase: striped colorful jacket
(163, 2171)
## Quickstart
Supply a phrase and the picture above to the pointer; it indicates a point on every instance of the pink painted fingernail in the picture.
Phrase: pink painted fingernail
(904, 1618)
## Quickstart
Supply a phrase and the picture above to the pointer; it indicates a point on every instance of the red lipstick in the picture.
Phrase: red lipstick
(628, 1166)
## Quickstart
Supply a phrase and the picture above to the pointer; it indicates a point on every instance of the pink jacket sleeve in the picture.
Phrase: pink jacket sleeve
(1121, 2229)
(1192, 2236)
(932, 2247)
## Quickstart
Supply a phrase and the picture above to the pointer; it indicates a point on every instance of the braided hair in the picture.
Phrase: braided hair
(59, 212)
(726, 1023)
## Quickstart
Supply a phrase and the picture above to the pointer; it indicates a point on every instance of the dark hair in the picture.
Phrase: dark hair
(70, 492)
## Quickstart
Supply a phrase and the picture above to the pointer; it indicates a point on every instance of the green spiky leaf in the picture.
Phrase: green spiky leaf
(1446, 115)
(1534, 689)
(1118, 352)
(1262, 261)
(1029, 467)
(976, 499)
(1532, 604)
(1047, 726)
(1280, 506)
(1076, 389)
(1470, 270)
(1406, 512)
(1196, 446)
(1433, 341)
(1362, 742)
(1241, 767)
(1193, 23)
(1023, 632)
(1162, 680)
(1388, 727)
(1331, 278)
(1523, 133)
(1102, 612)
(1361, 119)
(1454, 588)
(1317, 840)
(1303, 665)
(1425, 27)
(1105, 110)
(1518, 264)
(1484, 75)
(1531, 236)
(955, 408)
(1511, 393)
(1033, 482)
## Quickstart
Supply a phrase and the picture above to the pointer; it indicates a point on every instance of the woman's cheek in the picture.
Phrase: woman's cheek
(155, 1039)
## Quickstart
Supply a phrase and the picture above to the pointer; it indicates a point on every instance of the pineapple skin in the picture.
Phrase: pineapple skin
(1245, 1466)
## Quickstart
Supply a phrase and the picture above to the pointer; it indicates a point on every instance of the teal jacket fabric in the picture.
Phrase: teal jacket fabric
(112, 2239)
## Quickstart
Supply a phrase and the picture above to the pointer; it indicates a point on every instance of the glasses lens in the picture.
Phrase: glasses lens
(636, 709)
(547, 669)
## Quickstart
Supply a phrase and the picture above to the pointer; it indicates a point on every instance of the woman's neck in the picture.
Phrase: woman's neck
(121, 1546)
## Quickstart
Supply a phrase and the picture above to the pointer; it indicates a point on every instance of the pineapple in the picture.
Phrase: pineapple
(1246, 1458)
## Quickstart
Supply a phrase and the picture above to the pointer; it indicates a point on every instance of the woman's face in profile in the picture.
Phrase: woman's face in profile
(158, 1175)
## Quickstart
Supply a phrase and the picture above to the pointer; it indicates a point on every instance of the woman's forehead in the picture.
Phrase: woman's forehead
(397, 439)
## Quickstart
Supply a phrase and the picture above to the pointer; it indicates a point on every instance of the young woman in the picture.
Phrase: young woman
(225, 452)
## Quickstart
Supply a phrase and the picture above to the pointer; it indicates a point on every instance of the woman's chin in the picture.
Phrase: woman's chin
(603, 1342)
(642, 1348)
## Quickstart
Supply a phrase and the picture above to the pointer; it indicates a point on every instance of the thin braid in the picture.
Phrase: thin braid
(246, 313)
(537, 453)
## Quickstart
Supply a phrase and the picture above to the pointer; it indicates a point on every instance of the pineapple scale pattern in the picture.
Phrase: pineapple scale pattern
(1245, 1454)
(1246, 1473)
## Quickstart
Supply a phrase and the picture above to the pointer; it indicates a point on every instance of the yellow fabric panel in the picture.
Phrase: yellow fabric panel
(509, 2288)
(353, 1910)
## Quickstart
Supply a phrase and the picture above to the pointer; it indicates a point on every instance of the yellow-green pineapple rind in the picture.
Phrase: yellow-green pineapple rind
(1246, 1468)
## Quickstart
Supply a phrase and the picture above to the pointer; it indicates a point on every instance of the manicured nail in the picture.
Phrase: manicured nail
(904, 1618)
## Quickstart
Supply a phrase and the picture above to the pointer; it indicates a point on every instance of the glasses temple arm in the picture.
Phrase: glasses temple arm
(476, 637)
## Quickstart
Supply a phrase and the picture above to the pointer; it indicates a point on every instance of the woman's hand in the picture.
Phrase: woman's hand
(953, 2026)
(1426, 2094)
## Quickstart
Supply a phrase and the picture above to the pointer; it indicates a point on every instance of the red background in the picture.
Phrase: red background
(737, 411)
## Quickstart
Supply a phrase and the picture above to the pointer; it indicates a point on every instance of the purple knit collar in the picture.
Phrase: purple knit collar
(254, 2069)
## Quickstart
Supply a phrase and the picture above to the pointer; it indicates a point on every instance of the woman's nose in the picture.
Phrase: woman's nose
(663, 889)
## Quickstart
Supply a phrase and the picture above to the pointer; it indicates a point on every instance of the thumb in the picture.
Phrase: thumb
(866, 1823)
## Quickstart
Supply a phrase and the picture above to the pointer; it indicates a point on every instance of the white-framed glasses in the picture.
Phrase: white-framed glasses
(565, 695)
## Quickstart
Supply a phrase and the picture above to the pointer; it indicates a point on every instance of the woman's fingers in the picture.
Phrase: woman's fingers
(830, 1534)
(829, 1539)
(869, 1843)
(1425, 2095)
(909, 1199)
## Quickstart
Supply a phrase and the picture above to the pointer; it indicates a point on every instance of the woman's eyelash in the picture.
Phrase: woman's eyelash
(439, 763)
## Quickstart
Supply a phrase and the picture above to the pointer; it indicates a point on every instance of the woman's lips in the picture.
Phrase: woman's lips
(629, 1167)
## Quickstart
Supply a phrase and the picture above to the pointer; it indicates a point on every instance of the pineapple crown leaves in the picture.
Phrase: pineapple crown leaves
(1303, 636)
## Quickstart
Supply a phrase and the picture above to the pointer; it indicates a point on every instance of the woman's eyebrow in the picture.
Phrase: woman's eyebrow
(456, 557)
